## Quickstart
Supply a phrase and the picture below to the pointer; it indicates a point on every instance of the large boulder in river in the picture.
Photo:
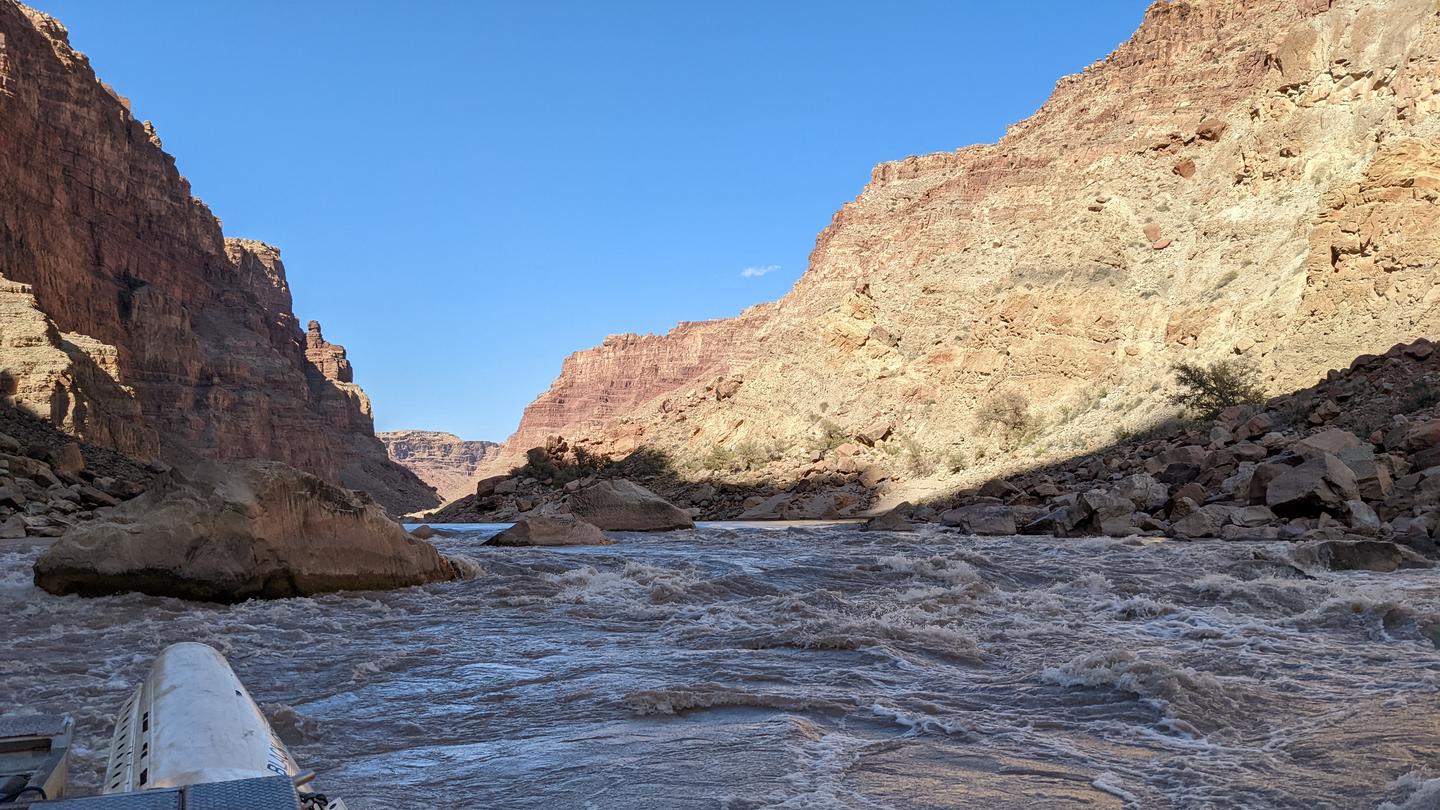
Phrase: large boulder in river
(1358, 554)
(229, 532)
(560, 530)
(618, 505)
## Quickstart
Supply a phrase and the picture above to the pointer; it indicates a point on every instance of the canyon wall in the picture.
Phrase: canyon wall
(160, 337)
(444, 461)
(1253, 179)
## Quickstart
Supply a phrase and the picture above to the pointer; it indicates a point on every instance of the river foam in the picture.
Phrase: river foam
(814, 666)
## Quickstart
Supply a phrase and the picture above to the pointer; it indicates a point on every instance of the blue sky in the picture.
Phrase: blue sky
(465, 192)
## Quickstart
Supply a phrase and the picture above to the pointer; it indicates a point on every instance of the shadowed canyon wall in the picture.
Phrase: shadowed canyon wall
(141, 327)
(1242, 178)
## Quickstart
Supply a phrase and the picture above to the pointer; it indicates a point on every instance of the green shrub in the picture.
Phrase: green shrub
(956, 461)
(1208, 390)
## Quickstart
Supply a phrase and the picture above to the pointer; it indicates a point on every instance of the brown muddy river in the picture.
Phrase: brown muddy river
(806, 667)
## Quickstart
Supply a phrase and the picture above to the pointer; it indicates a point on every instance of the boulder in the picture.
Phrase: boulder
(1362, 518)
(1207, 521)
(1258, 425)
(69, 461)
(999, 488)
(1423, 436)
(619, 505)
(1260, 479)
(13, 528)
(485, 487)
(1332, 441)
(1358, 555)
(1059, 522)
(11, 498)
(877, 431)
(759, 507)
(561, 530)
(1249, 451)
(898, 519)
(1143, 492)
(1122, 526)
(230, 532)
(1100, 505)
(1178, 473)
(1320, 484)
(1252, 517)
(981, 518)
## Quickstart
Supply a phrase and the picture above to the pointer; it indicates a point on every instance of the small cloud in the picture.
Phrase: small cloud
(757, 272)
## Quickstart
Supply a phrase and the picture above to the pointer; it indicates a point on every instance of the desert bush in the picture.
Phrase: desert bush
(918, 461)
(720, 459)
(1007, 414)
(749, 455)
(956, 461)
(1208, 390)
(827, 436)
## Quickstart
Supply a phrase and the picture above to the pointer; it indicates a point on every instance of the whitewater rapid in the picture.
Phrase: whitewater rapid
(805, 667)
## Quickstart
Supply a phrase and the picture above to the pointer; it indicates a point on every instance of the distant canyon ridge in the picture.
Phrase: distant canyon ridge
(444, 461)
(1251, 179)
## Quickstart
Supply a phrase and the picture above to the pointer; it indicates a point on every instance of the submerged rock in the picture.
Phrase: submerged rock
(229, 532)
(623, 506)
(561, 530)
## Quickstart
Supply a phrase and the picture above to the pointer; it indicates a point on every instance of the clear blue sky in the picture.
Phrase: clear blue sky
(465, 192)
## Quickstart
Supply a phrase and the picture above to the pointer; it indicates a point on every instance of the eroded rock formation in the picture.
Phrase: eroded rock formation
(226, 532)
(138, 325)
(1242, 177)
(442, 460)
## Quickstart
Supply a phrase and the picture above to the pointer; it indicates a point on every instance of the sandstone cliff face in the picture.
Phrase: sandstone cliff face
(179, 342)
(1242, 177)
(444, 461)
(598, 387)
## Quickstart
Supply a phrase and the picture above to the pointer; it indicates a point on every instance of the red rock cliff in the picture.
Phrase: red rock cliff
(180, 343)
(1252, 178)
(443, 460)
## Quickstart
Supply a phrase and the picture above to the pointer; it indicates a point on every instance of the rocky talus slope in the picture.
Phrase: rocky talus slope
(1351, 459)
(49, 483)
(138, 326)
(1242, 178)
(444, 461)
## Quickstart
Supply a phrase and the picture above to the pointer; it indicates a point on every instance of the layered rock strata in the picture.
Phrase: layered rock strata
(159, 336)
(1251, 178)
(444, 461)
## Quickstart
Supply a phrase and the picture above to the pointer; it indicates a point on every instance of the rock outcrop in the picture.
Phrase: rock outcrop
(618, 505)
(444, 461)
(152, 333)
(598, 386)
(227, 532)
(1251, 178)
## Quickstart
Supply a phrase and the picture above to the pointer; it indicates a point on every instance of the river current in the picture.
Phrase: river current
(804, 667)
